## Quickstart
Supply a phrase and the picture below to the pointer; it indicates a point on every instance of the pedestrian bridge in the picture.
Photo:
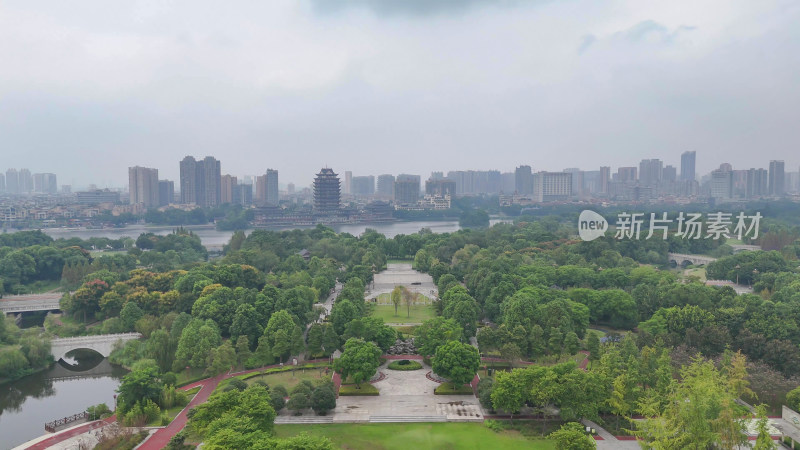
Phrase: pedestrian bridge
(683, 259)
(101, 343)
(35, 302)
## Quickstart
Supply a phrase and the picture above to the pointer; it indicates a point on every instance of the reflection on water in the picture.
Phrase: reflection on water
(68, 387)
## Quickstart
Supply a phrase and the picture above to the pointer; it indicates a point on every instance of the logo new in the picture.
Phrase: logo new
(591, 225)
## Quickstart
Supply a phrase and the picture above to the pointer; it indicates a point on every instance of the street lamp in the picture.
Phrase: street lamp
(737, 272)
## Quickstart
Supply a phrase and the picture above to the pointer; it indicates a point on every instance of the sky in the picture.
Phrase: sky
(90, 88)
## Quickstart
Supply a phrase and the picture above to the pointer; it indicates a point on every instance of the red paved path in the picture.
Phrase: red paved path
(161, 437)
(71, 433)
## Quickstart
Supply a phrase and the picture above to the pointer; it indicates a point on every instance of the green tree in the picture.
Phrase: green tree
(197, 340)
(396, 296)
(764, 440)
(593, 345)
(457, 362)
(280, 344)
(323, 400)
(330, 340)
(509, 392)
(360, 360)
(572, 343)
(314, 339)
(555, 342)
(298, 402)
(243, 353)
(436, 332)
(221, 359)
(160, 348)
(138, 386)
(245, 323)
(571, 436)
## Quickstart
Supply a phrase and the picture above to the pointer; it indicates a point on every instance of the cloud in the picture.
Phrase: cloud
(409, 7)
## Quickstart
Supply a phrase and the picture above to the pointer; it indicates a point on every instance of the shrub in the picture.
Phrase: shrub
(351, 390)
(298, 402)
(323, 400)
(277, 399)
(447, 389)
(485, 393)
(405, 364)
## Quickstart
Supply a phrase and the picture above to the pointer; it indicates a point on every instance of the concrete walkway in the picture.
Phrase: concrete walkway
(608, 441)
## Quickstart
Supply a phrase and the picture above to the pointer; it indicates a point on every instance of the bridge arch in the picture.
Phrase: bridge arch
(102, 344)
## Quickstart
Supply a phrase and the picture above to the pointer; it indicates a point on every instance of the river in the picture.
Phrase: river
(62, 390)
(214, 240)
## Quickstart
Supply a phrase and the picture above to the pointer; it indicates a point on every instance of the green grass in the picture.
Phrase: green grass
(419, 313)
(289, 379)
(447, 389)
(350, 389)
(699, 272)
(418, 436)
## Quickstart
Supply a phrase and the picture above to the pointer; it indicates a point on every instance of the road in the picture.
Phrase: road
(32, 302)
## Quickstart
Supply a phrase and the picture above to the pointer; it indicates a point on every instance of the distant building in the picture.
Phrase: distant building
(243, 194)
(2, 183)
(201, 181)
(605, 178)
(143, 186)
(12, 181)
(406, 189)
(45, 183)
(688, 166)
(385, 186)
(25, 181)
(721, 185)
(166, 192)
(777, 178)
(97, 196)
(669, 174)
(363, 186)
(552, 186)
(327, 191)
(348, 182)
(626, 174)
(757, 183)
(273, 195)
(523, 180)
(440, 187)
(577, 180)
(228, 185)
(650, 172)
(508, 182)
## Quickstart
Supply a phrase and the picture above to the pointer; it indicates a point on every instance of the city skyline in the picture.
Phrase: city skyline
(405, 89)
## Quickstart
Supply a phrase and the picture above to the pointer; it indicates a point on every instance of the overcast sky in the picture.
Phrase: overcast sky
(90, 88)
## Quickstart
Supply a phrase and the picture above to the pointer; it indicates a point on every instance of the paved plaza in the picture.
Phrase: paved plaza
(401, 274)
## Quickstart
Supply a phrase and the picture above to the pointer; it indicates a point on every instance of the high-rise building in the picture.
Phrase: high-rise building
(25, 181)
(721, 184)
(508, 182)
(440, 186)
(406, 189)
(650, 172)
(12, 181)
(523, 180)
(552, 186)
(348, 182)
(669, 174)
(166, 192)
(757, 183)
(626, 174)
(577, 180)
(327, 191)
(273, 194)
(189, 180)
(687, 166)
(143, 186)
(201, 181)
(244, 194)
(45, 183)
(228, 185)
(2, 183)
(260, 194)
(777, 178)
(386, 186)
(363, 186)
(605, 178)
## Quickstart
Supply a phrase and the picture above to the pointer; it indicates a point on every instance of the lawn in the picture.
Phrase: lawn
(290, 379)
(419, 436)
(447, 389)
(419, 313)
(698, 272)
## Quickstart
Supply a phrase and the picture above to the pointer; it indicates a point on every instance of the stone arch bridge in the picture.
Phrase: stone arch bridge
(101, 343)
(682, 258)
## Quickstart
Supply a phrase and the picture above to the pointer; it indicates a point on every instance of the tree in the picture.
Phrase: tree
(245, 323)
(555, 342)
(330, 340)
(323, 400)
(160, 348)
(197, 340)
(457, 362)
(508, 391)
(314, 339)
(280, 345)
(396, 296)
(221, 359)
(436, 332)
(793, 398)
(360, 360)
(593, 345)
(571, 436)
(140, 385)
(243, 352)
(130, 314)
(764, 440)
(572, 343)
(298, 402)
